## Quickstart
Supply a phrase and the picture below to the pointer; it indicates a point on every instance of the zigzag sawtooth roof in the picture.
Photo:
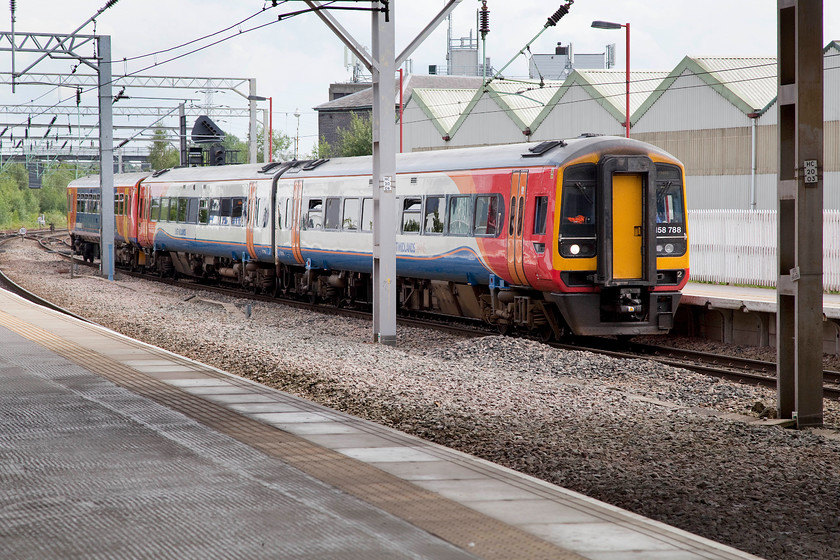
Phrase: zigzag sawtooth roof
(611, 85)
(364, 99)
(753, 80)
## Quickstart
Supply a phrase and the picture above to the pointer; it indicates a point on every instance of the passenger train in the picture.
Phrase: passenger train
(585, 236)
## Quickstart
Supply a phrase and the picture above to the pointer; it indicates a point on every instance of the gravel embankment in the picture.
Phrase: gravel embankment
(629, 432)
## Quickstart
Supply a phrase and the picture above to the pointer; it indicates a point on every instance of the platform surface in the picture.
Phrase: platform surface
(113, 448)
(746, 298)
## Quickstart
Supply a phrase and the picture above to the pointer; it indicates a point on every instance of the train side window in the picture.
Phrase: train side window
(164, 209)
(215, 209)
(459, 215)
(332, 215)
(287, 212)
(154, 213)
(520, 214)
(96, 202)
(192, 210)
(512, 215)
(314, 217)
(540, 214)
(118, 204)
(224, 211)
(173, 209)
(238, 214)
(411, 215)
(203, 211)
(80, 204)
(433, 220)
(486, 214)
(350, 222)
(182, 210)
(367, 214)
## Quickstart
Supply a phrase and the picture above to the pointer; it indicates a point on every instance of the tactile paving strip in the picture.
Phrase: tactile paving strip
(463, 527)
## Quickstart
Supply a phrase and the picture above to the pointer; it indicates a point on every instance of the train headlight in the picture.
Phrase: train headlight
(577, 248)
(671, 247)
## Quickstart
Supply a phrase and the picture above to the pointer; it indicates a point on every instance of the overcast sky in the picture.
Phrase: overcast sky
(294, 61)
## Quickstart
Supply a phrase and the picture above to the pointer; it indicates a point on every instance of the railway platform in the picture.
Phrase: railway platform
(113, 448)
(745, 315)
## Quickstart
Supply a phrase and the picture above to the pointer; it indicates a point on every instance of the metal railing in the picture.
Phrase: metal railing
(739, 247)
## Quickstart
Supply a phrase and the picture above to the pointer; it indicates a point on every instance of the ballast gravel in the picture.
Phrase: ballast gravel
(659, 441)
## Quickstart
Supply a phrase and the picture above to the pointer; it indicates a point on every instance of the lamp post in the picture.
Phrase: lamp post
(611, 25)
(297, 132)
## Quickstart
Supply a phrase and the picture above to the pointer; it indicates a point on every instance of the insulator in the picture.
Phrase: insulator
(552, 21)
(12, 5)
(484, 19)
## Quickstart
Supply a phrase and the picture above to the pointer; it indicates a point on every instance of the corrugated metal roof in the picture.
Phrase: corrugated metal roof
(444, 106)
(612, 85)
(522, 100)
(753, 80)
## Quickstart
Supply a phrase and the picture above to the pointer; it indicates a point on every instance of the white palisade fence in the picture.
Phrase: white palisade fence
(739, 247)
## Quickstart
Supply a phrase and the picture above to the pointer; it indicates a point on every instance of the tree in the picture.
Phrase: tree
(236, 149)
(357, 139)
(162, 154)
(280, 146)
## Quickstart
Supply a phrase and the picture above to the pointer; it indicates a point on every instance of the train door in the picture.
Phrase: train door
(251, 220)
(627, 226)
(145, 227)
(516, 226)
(297, 204)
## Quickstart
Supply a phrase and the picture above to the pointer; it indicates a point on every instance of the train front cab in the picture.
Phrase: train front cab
(622, 245)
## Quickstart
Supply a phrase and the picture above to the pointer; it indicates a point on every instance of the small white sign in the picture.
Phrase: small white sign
(811, 171)
(386, 183)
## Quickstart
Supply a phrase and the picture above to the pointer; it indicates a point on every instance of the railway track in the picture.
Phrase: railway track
(733, 368)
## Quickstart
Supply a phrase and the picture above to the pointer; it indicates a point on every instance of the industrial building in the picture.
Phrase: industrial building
(718, 115)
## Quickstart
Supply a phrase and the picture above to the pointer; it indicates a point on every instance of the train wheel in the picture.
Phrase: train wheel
(505, 329)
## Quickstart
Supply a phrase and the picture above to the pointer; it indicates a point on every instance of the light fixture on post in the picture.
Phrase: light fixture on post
(297, 132)
(611, 25)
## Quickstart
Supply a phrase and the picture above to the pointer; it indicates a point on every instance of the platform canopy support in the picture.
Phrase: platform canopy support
(799, 320)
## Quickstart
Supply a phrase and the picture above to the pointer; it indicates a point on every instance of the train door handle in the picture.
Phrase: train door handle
(637, 231)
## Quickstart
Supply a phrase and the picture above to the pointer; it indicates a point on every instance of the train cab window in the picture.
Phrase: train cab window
(192, 210)
(332, 215)
(669, 206)
(670, 212)
(350, 221)
(238, 215)
(314, 214)
(182, 210)
(486, 215)
(225, 204)
(367, 214)
(411, 215)
(540, 214)
(433, 220)
(459, 215)
(577, 210)
(203, 211)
